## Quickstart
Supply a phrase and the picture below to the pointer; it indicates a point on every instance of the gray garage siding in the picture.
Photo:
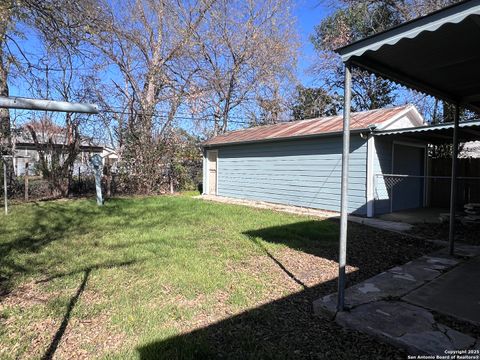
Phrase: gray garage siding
(301, 172)
(382, 164)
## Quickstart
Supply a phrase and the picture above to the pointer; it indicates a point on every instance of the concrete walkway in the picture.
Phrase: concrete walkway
(456, 293)
(395, 306)
(373, 222)
(416, 216)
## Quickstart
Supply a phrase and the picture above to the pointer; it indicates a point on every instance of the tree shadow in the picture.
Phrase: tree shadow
(35, 235)
(316, 237)
(287, 328)
(66, 318)
(49, 223)
(50, 352)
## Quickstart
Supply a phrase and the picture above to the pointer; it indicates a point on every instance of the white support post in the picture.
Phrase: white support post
(342, 258)
(453, 185)
(370, 194)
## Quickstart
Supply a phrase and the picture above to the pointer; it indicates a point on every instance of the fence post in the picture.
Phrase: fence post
(5, 191)
(26, 181)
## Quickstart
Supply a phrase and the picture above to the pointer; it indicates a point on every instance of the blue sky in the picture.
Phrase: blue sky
(309, 14)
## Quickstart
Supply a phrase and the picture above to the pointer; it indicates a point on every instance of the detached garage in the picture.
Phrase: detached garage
(299, 163)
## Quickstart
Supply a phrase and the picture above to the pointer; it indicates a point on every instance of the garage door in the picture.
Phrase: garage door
(408, 193)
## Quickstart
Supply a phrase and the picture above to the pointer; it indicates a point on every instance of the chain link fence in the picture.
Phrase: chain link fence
(396, 192)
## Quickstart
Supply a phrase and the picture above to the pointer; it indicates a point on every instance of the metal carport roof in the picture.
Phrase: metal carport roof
(437, 54)
(437, 134)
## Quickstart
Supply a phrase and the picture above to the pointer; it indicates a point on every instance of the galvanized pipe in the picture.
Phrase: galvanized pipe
(5, 192)
(453, 184)
(12, 102)
(342, 258)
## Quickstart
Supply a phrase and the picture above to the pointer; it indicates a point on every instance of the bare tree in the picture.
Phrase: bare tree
(248, 51)
(150, 44)
(60, 23)
(352, 20)
(57, 135)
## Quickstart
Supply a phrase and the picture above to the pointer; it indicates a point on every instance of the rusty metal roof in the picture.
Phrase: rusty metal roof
(305, 128)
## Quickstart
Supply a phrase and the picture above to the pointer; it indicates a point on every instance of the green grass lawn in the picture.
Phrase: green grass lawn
(172, 277)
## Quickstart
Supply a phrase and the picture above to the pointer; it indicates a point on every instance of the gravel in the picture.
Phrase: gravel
(467, 234)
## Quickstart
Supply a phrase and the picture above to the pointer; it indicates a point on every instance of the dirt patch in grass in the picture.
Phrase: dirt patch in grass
(79, 339)
(283, 325)
(25, 296)
(83, 339)
(308, 269)
(86, 339)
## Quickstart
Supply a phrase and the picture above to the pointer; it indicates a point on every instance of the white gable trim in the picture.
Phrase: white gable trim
(410, 113)
(370, 176)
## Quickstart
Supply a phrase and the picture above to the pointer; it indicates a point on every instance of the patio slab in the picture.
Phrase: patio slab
(393, 283)
(416, 216)
(455, 293)
(407, 326)
(396, 305)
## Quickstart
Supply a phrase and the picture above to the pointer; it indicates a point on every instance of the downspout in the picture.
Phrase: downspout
(342, 259)
(370, 181)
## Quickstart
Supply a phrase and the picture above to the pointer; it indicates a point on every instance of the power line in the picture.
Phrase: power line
(231, 119)
(178, 117)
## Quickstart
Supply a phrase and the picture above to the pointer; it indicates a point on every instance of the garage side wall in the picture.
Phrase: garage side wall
(302, 173)
(382, 164)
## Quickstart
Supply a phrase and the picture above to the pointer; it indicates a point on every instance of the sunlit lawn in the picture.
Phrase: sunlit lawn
(132, 272)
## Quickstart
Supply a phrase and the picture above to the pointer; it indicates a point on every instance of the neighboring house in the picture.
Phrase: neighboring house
(26, 152)
(470, 150)
(299, 163)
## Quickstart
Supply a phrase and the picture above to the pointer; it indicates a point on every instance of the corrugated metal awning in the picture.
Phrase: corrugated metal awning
(441, 133)
(436, 54)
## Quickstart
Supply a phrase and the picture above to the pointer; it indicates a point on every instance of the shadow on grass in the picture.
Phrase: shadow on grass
(287, 328)
(66, 318)
(48, 223)
(33, 235)
(50, 352)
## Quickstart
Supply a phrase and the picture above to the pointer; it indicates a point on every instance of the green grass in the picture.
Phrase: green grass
(152, 267)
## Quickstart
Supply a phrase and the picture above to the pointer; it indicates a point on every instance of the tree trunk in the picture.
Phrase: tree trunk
(5, 131)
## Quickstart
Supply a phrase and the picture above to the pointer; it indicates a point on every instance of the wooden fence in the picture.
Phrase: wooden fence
(468, 190)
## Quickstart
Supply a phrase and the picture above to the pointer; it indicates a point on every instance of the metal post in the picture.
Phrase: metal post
(453, 185)
(5, 192)
(342, 259)
(25, 178)
(96, 161)
(46, 105)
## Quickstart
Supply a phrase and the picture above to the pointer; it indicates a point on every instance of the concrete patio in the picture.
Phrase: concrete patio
(399, 306)
(416, 216)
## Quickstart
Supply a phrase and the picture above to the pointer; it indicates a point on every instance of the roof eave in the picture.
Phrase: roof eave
(355, 53)
(430, 22)
(286, 138)
(425, 128)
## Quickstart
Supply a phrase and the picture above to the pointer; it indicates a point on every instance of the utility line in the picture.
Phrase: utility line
(231, 118)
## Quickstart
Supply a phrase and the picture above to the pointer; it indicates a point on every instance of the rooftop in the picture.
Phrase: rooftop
(309, 128)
